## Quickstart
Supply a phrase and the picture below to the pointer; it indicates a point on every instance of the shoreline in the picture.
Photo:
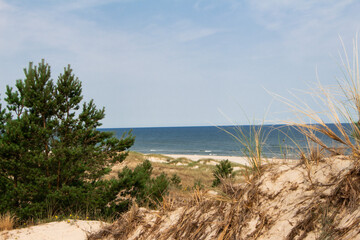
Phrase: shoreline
(235, 159)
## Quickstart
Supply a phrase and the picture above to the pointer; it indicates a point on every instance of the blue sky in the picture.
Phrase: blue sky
(179, 62)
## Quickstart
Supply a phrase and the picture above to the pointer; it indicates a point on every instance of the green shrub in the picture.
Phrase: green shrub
(157, 189)
(139, 184)
(176, 181)
(222, 170)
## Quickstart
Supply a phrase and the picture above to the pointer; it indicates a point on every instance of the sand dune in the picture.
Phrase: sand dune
(64, 230)
(287, 201)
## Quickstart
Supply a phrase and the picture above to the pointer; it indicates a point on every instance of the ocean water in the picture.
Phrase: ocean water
(278, 140)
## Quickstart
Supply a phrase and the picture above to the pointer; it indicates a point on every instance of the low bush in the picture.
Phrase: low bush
(176, 181)
(222, 170)
(139, 184)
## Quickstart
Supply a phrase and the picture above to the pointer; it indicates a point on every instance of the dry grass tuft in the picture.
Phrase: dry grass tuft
(338, 106)
(252, 144)
(7, 221)
(347, 192)
(198, 196)
(169, 203)
(313, 154)
(124, 225)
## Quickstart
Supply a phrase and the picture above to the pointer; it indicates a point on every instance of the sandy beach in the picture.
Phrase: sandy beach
(235, 159)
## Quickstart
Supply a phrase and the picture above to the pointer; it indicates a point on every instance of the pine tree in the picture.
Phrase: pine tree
(52, 157)
(3, 177)
(16, 163)
(2, 118)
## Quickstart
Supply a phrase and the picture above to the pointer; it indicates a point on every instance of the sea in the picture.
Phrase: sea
(277, 140)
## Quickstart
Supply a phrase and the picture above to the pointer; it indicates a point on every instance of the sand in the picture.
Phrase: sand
(235, 159)
(287, 201)
(64, 230)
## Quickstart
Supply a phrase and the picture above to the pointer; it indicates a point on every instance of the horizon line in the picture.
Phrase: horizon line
(226, 125)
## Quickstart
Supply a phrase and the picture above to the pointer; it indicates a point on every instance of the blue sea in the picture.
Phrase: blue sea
(279, 140)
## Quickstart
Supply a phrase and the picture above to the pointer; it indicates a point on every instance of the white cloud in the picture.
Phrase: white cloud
(195, 34)
(307, 27)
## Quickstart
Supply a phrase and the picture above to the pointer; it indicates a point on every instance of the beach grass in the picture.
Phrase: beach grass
(7, 221)
(337, 105)
(252, 144)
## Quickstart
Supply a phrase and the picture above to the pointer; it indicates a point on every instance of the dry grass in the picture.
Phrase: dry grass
(322, 215)
(169, 203)
(190, 172)
(339, 105)
(252, 144)
(7, 221)
(227, 215)
(244, 212)
(130, 218)
(310, 155)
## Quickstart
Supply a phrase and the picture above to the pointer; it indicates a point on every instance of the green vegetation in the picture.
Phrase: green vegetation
(138, 184)
(223, 170)
(176, 181)
(52, 158)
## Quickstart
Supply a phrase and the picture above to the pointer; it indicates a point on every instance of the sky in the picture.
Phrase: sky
(180, 62)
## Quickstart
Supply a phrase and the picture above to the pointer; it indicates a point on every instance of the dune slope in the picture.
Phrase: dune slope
(288, 201)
